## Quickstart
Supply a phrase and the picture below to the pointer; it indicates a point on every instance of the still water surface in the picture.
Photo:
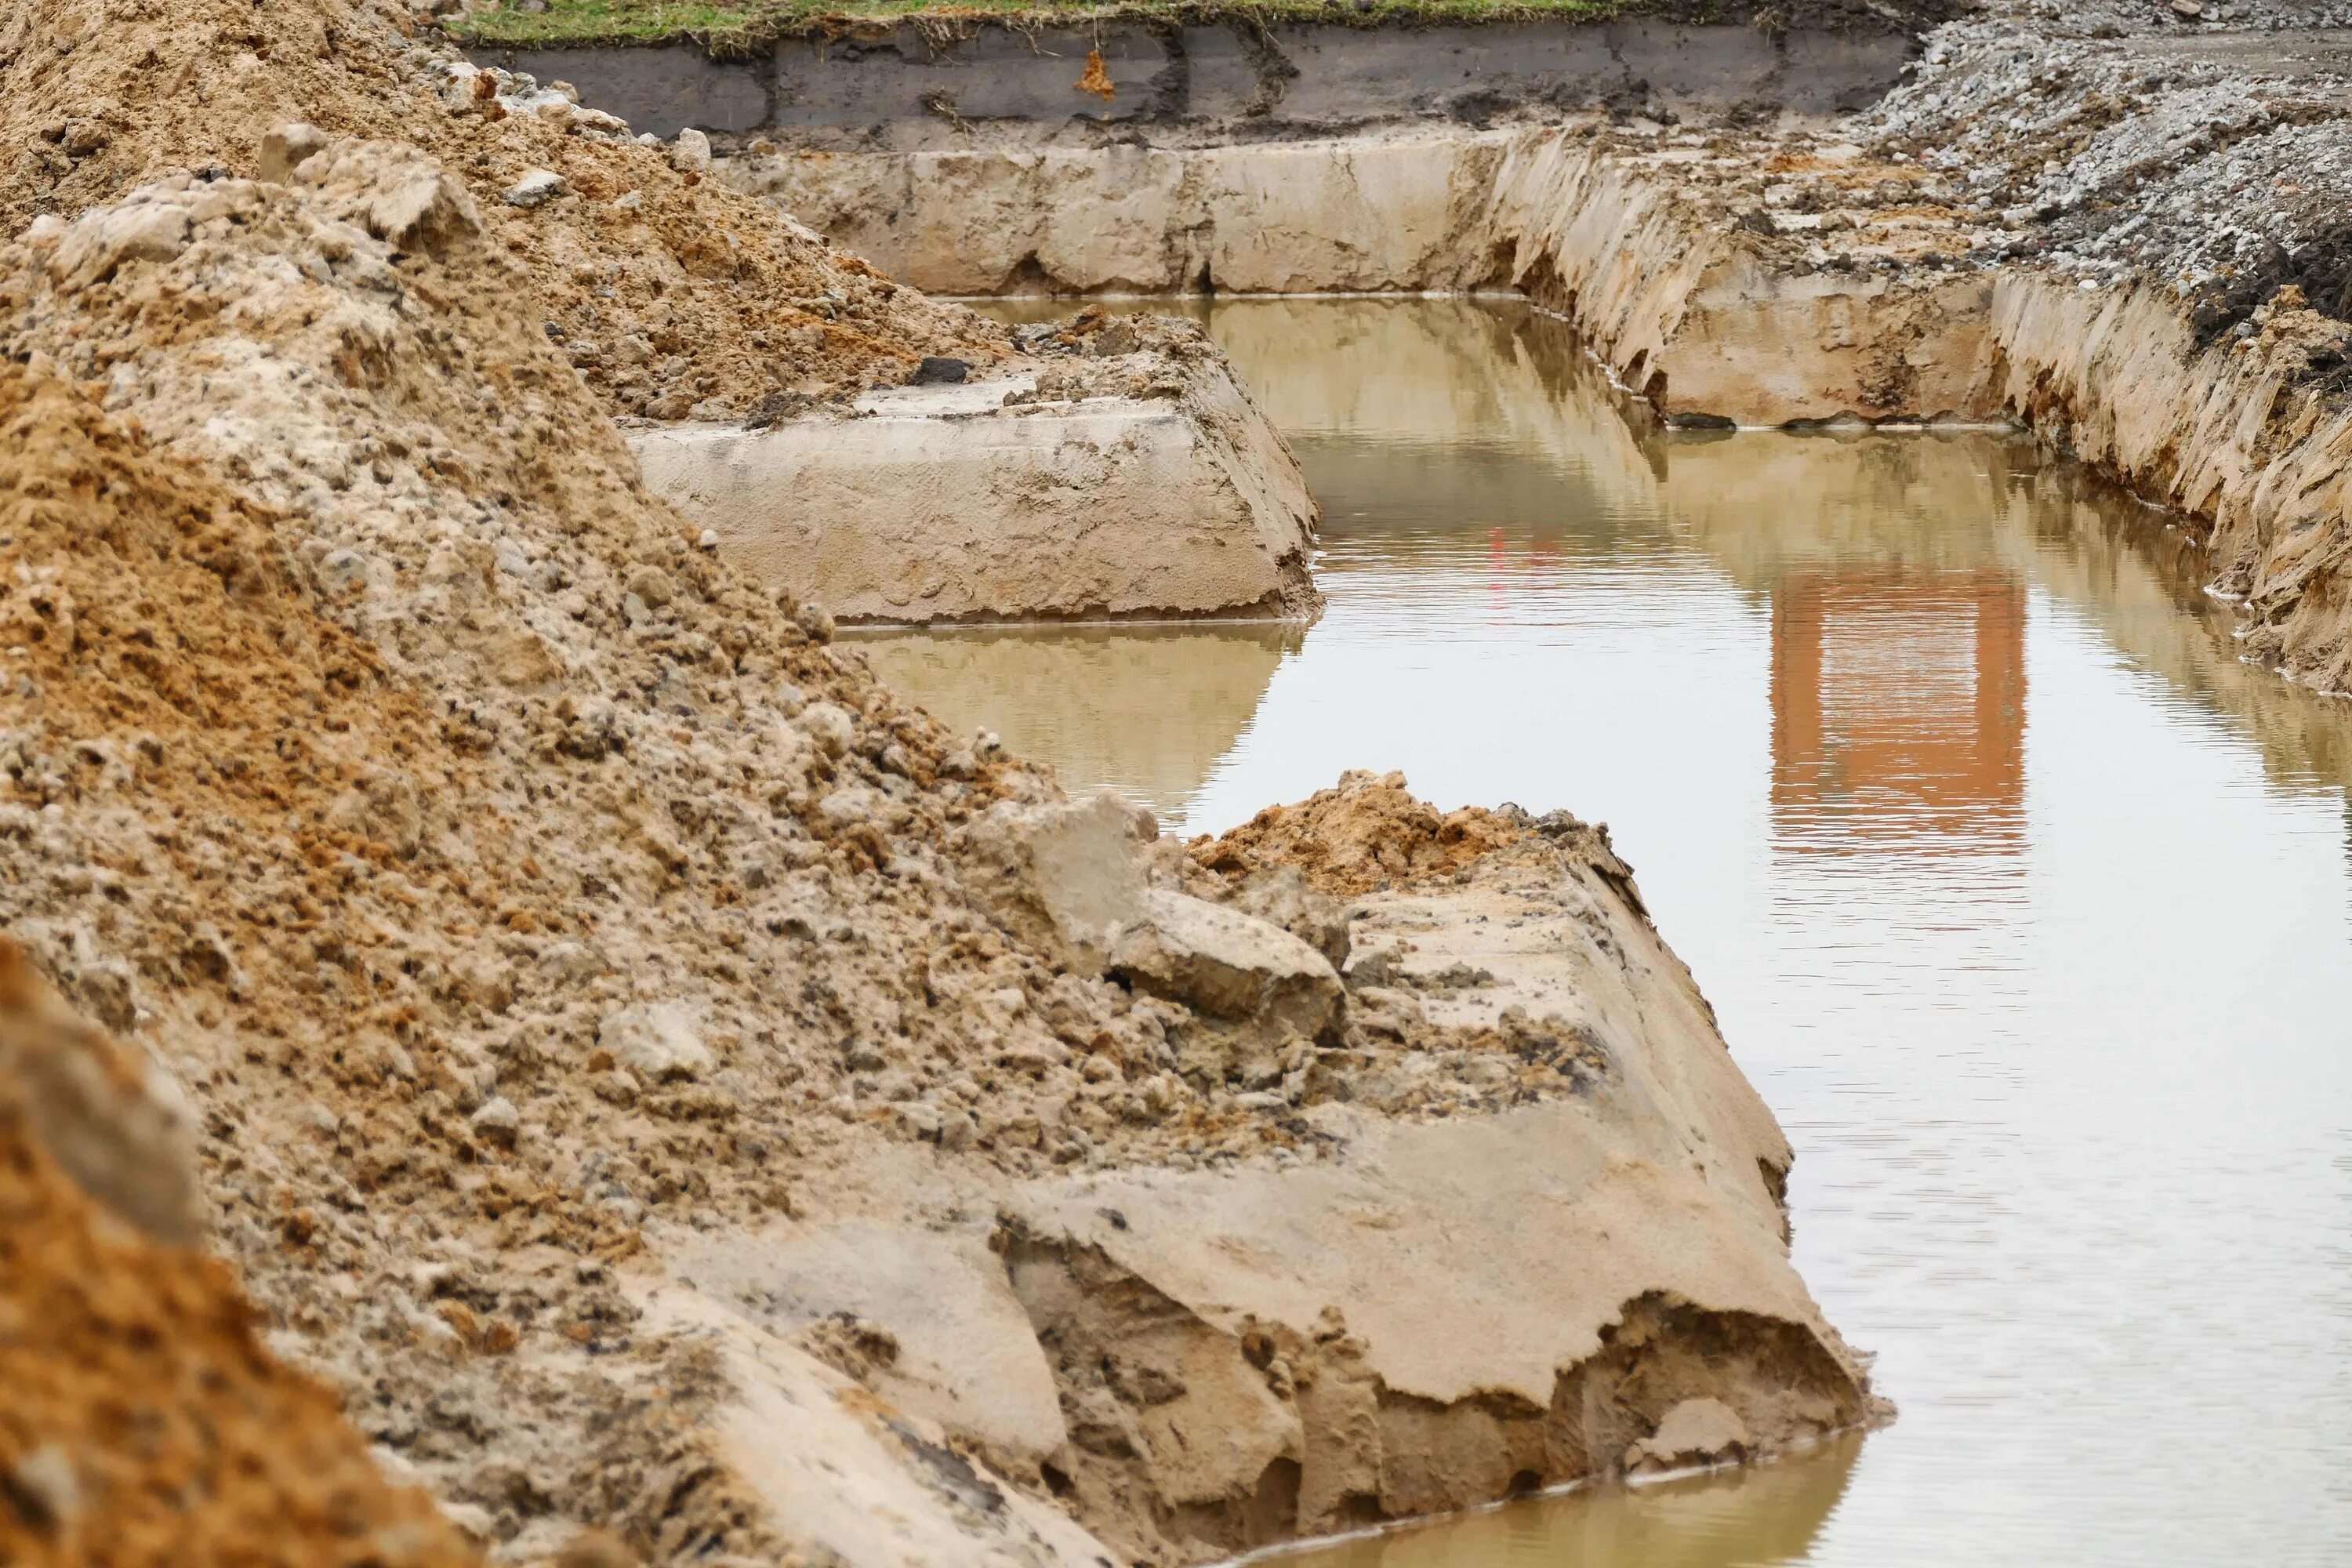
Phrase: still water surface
(2026, 906)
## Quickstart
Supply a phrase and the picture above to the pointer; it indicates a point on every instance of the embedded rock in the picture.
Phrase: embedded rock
(1696, 1432)
(1061, 877)
(1228, 965)
(1281, 897)
(659, 1042)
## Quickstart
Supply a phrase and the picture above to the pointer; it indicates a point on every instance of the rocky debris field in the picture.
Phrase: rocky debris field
(2198, 159)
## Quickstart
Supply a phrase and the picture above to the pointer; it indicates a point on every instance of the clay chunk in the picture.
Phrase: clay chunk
(1696, 1432)
(1227, 964)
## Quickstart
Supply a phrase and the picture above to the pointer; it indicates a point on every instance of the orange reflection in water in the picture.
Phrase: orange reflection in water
(1898, 708)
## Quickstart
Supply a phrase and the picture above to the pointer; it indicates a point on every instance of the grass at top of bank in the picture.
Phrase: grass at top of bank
(727, 28)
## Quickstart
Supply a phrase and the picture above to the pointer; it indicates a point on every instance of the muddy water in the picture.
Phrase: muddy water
(2027, 907)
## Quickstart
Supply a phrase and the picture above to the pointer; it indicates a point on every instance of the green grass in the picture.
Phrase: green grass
(733, 28)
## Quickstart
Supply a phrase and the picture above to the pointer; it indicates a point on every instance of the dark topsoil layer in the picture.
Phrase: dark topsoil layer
(938, 80)
(730, 31)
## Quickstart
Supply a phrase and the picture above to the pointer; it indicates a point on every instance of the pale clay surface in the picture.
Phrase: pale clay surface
(941, 503)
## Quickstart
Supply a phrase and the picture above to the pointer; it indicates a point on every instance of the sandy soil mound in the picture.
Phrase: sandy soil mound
(669, 292)
(141, 1419)
(505, 875)
(1367, 832)
(590, 984)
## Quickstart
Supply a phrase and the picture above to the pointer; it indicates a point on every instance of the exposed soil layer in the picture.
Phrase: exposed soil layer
(1130, 476)
(732, 30)
(916, 85)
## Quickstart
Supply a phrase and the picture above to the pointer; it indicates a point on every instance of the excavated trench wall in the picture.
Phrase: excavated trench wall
(910, 87)
(1647, 276)
(1641, 249)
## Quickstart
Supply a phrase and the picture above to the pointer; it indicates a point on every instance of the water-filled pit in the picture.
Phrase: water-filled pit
(2026, 905)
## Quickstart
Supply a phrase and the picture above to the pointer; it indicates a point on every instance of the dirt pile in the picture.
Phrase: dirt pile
(458, 904)
(141, 1419)
(573, 958)
(1369, 832)
(667, 291)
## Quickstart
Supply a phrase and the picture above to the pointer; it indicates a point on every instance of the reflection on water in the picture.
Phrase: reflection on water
(1771, 1514)
(1899, 709)
(2027, 907)
(1097, 702)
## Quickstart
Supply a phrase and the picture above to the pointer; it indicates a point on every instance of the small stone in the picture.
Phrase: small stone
(83, 137)
(1694, 1432)
(938, 370)
(1227, 964)
(47, 1492)
(2187, 10)
(284, 147)
(848, 807)
(652, 584)
(690, 153)
(1062, 878)
(340, 571)
(657, 1041)
(571, 962)
(536, 189)
(829, 726)
(497, 1121)
(478, 1523)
